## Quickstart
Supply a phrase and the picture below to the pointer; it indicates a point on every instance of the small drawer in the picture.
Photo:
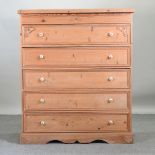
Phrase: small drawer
(35, 79)
(78, 101)
(74, 57)
(76, 34)
(75, 122)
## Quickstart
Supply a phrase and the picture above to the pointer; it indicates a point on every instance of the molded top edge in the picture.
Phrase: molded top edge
(67, 11)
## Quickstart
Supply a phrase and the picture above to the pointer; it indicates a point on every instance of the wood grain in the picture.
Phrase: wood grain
(74, 122)
(74, 57)
(75, 34)
(76, 18)
(75, 79)
(65, 75)
(74, 11)
(44, 138)
(81, 101)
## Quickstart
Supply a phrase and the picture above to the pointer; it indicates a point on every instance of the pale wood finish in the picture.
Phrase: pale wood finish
(76, 18)
(75, 34)
(76, 75)
(74, 11)
(74, 122)
(73, 80)
(80, 101)
(69, 57)
(44, 138)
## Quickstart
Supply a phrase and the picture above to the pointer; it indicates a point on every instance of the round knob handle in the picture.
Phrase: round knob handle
(41, 34)
(42, 123)
(41, 79)
(110, 78)
(42, 100)
(110, 56)
(110, 34)
(41, 56)
(110, 122)
(110, 100)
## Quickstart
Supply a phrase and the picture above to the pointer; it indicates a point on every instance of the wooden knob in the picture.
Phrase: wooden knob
(41, 56)
(42, 100)
(41, 79)
(110, 34)
(110, 122)
(41, 34)
(110, 78)
(110, 100)
(110, 56)
(42, 123)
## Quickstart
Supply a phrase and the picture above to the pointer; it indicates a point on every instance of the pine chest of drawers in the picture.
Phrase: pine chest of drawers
(76, 75)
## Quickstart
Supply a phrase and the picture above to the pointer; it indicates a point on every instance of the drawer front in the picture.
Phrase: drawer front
(75, 34)
(76, 56)
(79, 79)
(75, 122)
(68, 101)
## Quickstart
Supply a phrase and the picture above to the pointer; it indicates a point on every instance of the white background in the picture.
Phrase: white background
(143, 54)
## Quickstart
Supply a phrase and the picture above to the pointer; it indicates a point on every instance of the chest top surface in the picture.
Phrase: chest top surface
(50, 11)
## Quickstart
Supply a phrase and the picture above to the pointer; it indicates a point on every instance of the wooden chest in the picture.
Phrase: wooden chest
(76, 75)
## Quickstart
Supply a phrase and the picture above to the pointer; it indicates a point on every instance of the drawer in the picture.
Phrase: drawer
(74, 122)
(70, 101)
(36, 79)
(75, 34)
(72, 57)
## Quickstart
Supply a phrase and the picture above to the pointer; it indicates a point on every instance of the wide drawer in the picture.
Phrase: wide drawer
(74, 57)
(75, 34)
(36, 79)
(78, 101)
(74, 122)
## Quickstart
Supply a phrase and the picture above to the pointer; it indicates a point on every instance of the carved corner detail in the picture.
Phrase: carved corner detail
(28, 30)
(123, 30)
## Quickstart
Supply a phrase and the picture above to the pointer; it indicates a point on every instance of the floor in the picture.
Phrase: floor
(144, 141)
